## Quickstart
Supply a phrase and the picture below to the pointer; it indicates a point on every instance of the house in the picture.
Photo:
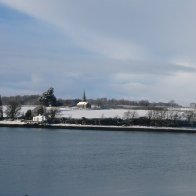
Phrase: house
(84, 104)
(39, 118)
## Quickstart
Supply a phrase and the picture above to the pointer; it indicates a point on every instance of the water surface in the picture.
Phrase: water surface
(96, 163)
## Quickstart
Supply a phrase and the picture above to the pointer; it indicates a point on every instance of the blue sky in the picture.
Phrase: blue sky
(132, 49)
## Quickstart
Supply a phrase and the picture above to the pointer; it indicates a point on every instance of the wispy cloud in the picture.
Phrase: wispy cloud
(109, 44)
(77, 23)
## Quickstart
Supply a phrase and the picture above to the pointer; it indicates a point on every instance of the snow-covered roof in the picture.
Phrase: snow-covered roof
(82, 103)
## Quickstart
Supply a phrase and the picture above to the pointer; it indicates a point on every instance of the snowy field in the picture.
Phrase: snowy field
(79, 113)
(68, 112)
(109, 113)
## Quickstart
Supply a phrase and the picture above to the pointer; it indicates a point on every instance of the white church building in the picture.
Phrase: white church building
(84, 104)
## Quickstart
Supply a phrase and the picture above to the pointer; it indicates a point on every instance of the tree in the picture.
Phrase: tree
(1, 109)
(156, 116)
(48, 98)
(51, 113)
(39, 110)
(172, 103)
(144, 103)
(173, 115)
(13, 109)
(28, 115)
(129, 116)
(190, 116)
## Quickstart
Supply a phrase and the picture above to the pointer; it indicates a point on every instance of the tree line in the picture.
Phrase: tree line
(156, 117)
(13, 106)
(47, 105)
(103, 103)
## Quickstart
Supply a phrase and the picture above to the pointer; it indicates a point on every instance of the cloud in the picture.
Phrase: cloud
(125, 30)
(116, 48)
(78, 22)
(121, 30)
(178, 87)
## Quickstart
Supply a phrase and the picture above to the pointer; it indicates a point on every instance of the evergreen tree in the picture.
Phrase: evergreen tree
(28, 115)
(48, 98)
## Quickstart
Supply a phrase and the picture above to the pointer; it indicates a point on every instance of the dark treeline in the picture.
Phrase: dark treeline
(122, 103)
(35, 100)
(100, 102)
(22, 100)
(161, 117)
(142, 121)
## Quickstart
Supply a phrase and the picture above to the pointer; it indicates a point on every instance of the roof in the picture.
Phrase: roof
(82, 103)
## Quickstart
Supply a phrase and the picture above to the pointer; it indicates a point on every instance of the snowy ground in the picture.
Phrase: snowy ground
(25, 108)
(12, 122)
(68, 112)
(109, 113)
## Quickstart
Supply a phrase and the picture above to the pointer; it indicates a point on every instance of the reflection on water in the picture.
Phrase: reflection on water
(96, 163)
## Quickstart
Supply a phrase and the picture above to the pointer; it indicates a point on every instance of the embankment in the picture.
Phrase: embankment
(103, 128)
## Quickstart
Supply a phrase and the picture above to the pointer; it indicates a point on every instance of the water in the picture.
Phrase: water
(96, 163)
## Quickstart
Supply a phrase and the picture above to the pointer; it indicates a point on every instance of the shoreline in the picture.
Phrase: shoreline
(18, 124)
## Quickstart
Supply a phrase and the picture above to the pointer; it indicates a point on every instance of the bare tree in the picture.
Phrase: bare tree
(52, 113)
(173, 115)
(13, 109)
(156, 116)
(129, 116)
(190, 116)
(149, 115)
(39, 110)
(160, 115)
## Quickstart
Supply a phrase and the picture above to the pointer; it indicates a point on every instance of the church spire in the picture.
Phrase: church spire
(84, 96)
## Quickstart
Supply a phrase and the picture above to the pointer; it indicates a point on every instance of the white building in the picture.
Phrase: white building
(39, 118)
(84, 105)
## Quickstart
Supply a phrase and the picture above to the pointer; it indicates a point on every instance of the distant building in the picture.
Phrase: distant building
(84, 104)
(39, 118)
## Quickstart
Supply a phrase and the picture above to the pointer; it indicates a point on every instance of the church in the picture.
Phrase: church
(84, 104)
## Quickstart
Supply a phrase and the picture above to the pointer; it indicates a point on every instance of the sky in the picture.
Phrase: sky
(129, 49)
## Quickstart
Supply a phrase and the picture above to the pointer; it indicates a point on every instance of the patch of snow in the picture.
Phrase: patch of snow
(12, 122)
(108, 113)
(24, 109)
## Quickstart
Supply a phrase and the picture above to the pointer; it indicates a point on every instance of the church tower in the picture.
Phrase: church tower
(84, 96)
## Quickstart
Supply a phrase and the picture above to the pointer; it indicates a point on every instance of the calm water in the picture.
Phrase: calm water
(96, 163)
